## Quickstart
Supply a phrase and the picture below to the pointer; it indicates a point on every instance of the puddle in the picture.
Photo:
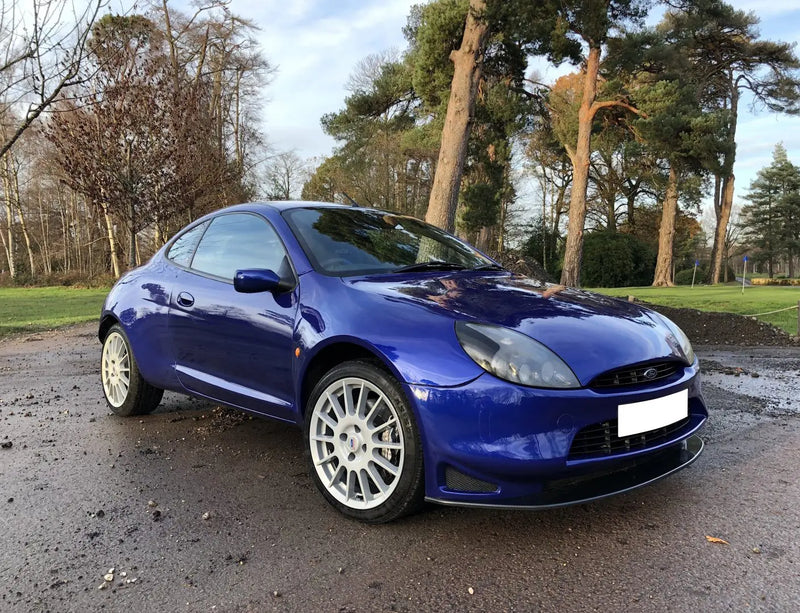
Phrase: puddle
(773, 376)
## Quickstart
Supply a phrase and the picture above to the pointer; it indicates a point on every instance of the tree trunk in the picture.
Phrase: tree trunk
(44, 228)
(75, 238)
(64, 232)
(216, 103)
(630, 203)
(237, 139)
(112, 242)
(666, 233)
(484, 239)
(558, 202)
(158, 234)
(501, 227)
(463, 91)
(9, 243)
(131, 235)
(171, 42)
(5, 247)
(202, 61)
(27, 238)
(611, 215)
(726, 201)
(14, 180)
(131, 212)
(571, 273)
(726, 204)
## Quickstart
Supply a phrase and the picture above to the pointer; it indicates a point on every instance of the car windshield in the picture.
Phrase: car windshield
(353, 241)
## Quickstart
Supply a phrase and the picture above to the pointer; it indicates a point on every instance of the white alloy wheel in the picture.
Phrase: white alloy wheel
(116, 369)
(356, 443)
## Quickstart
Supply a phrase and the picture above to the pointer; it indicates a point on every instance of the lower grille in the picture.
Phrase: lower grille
(602, 439)
(459, 482)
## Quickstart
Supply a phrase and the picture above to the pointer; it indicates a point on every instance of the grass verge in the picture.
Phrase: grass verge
(725, 298)
(24, 309)
(44, 308)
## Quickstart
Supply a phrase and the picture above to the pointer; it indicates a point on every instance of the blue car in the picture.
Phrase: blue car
(418, 368)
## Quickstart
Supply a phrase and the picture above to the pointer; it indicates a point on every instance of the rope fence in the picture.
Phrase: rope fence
(773, 312)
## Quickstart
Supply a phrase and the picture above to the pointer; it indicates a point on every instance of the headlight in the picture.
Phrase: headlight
(683, 340)
(513, 356)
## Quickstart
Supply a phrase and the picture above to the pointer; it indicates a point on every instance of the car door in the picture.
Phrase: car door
(230, 346)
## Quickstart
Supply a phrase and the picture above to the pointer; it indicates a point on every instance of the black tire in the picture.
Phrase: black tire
(117, 360)
(363, 454)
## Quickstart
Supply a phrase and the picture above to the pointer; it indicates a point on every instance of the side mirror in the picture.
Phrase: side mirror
(254, 280)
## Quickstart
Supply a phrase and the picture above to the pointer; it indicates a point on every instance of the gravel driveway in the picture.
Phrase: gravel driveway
(197, 508)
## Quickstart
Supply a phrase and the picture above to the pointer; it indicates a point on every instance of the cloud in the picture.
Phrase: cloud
(315, 46)
(756, 137)
(763, 8)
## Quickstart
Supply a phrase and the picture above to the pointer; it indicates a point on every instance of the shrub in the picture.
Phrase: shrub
(63, 279)
(540, 241)
(616, 259)
(684, 277)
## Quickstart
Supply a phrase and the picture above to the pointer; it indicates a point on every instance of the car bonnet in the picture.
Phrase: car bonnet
(590, 332)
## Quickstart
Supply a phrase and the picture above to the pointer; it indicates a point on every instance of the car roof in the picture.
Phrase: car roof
(267, 207)
(283, 205)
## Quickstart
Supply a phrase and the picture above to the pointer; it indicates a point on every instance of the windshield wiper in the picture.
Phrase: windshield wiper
(432, 265)
(489, 267)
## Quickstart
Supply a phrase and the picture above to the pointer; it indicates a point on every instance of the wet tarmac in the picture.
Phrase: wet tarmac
(196, 508)
(771, 375)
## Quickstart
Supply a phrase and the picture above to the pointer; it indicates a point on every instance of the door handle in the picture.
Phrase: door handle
(185, 299)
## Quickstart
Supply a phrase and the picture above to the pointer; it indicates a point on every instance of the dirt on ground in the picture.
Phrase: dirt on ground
(199, 508)
(705, 328)
(702, 327)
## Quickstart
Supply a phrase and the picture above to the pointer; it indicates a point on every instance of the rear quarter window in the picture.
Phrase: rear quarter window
(182, 250)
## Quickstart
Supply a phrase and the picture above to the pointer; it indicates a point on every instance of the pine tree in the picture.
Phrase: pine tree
(726, 59)
(772, 217)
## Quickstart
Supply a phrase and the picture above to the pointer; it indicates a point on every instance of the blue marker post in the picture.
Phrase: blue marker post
(744, 273)
(694, 272)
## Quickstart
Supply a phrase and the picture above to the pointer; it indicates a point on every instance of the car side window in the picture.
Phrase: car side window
(182, 250)
(236, 241)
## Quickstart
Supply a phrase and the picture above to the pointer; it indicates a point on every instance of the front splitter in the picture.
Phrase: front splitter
(579, 490)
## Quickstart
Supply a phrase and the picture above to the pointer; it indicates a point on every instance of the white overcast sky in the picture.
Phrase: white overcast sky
(315, 44)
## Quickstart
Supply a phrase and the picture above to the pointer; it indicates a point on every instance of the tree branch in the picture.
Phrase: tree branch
(597, 105)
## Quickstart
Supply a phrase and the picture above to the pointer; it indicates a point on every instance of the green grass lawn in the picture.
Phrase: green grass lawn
(43, 308)
(24, 309)
(722, 298)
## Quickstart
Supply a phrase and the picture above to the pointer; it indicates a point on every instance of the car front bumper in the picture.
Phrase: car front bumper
(492, 443)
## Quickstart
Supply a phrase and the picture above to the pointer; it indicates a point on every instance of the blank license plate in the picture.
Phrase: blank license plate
(639, 417)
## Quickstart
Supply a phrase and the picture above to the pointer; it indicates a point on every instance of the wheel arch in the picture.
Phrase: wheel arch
(106, 322)
(338, 352)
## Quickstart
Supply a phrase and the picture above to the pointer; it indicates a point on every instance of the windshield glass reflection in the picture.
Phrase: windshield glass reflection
(343, 242)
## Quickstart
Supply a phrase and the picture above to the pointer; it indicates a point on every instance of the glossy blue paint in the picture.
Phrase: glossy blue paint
(196, 334)
(257, 280)
(592, 333)
(519, 438)
(234, 347)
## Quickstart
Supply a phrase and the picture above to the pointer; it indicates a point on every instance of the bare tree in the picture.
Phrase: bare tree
(138, 149)
(286, 174)
(41, 52)
(214, 48)
(369, 69)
